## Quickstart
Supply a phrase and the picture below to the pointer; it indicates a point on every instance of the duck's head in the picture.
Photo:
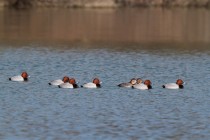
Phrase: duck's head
(65, 79)
(133, 81)
(24, 75)
(139, 81)
(179, 82)
(72, 81)
(96, 81)
(147, 82)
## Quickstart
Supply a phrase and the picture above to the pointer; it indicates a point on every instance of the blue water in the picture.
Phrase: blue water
(35, 110)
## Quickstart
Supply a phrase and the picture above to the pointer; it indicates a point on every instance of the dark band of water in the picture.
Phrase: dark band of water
(87, 26)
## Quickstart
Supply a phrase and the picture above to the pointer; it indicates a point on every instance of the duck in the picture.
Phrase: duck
(129, 84)
(70, 84)
(143, 86)
(95, 84)
(139, 81)
(178, 85)
(59, 81)
(23, 77)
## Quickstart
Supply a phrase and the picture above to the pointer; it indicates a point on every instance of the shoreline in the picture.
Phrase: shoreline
(104, 3)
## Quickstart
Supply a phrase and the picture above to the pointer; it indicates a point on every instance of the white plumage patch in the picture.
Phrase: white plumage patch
(56, 82)
(17, 78)
(89, 85)
(140, 86)
(66, 85)
(171, 86)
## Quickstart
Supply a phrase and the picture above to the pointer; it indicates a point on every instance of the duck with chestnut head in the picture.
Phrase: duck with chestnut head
(95, 84)
(178, 85)
(59, 81)
(143, 86)
(70, 84)
(23, 77)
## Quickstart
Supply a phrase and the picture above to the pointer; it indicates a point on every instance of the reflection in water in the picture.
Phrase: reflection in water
(152, 25)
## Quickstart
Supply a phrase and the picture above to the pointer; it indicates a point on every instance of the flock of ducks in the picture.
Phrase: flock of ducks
(143, 85)
(67, 82)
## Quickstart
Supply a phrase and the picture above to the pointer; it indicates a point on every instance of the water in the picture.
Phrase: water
(90, 26)
(35, 110)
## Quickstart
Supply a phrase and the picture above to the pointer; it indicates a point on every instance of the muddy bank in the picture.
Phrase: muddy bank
(104, 3)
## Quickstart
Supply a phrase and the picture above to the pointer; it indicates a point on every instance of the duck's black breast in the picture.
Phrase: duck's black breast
(76, 86)
(181, 86)
(149, 87)
(25, 79)
(98, 85)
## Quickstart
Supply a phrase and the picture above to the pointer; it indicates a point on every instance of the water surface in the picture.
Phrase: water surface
(35, 110)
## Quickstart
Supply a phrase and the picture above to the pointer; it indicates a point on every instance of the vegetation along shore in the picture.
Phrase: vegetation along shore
(103, 3)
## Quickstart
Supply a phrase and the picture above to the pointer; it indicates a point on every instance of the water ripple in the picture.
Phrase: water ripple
(35, 110)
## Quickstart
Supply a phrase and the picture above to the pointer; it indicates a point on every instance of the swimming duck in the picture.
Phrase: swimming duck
(23, 77)
(139, 81)
(95, 84)
(59, 81)
(143, 86)
(129, 84)
(178, 85)
(70, 84)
